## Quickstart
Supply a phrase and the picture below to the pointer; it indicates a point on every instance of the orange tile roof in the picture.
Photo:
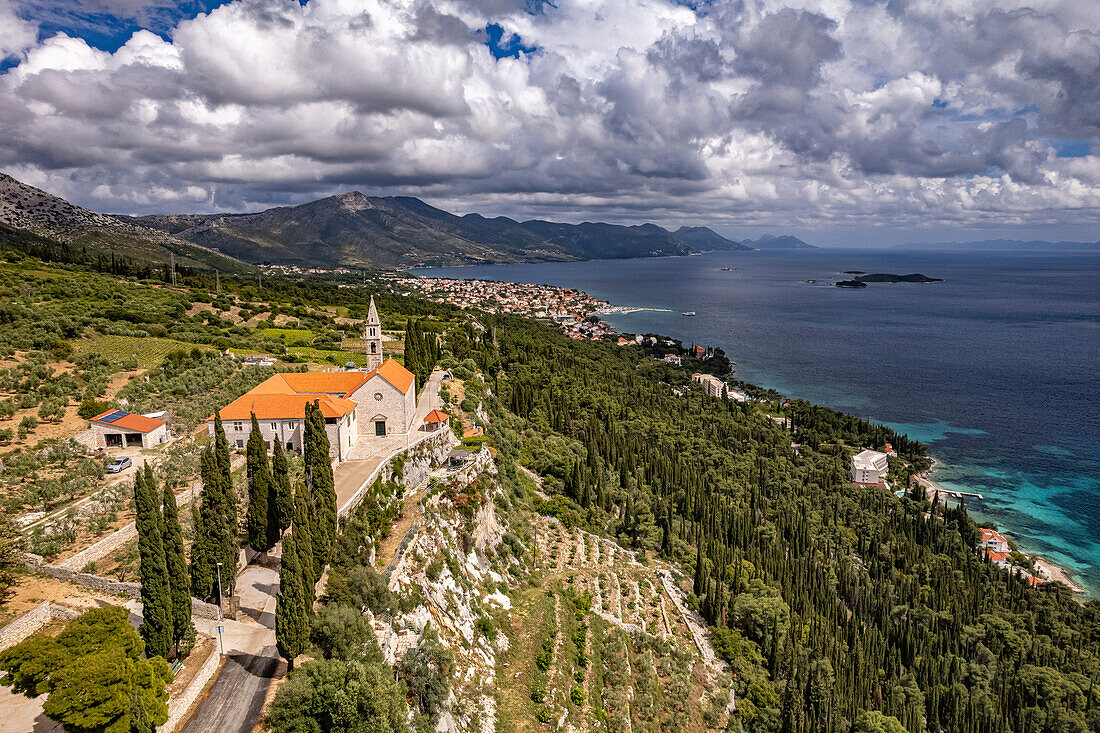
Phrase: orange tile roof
(437, 416)
(989, 534)
(129, 421)
(342, 382)
(284, 406)
(395, 374)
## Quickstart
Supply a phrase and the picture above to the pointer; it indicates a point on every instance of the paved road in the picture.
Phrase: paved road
(237, 695)
(237, 698)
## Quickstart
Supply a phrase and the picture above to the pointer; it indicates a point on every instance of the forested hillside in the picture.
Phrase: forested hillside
(836, 605)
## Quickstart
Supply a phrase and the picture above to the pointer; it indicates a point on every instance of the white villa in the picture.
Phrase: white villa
(869, 467)
(379, 402)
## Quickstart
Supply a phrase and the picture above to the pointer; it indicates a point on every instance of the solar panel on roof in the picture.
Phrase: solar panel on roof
(116, 415)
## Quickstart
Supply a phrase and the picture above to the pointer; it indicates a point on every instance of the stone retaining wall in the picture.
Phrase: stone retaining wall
(106, 585)
(384, 466)
(32, 621)
(426, 456)
(180, 706)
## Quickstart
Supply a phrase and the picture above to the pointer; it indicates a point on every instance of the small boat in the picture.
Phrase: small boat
(811, 282)
(688, 313)
(728, 269)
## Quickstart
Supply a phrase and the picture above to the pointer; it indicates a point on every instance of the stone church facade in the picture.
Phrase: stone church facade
(379, 401)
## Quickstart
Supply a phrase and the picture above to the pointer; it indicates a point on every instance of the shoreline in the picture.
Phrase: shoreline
(1045, 569)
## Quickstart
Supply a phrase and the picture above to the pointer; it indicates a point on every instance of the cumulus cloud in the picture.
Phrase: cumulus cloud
(808, 113)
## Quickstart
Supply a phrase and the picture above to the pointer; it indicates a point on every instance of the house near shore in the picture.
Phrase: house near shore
(993, 541)
(712, 385)
(378, 402)
(869, 467)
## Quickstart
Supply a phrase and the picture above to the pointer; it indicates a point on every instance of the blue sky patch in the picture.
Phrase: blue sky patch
(104, 30)
(505, 47)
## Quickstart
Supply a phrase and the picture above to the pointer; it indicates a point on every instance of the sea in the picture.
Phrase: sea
(995, 368)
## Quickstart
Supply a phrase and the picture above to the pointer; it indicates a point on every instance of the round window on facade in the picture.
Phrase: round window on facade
(378, 396)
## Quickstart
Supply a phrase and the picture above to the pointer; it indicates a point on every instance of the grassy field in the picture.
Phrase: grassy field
(148, 351)
(326, 356)
(292, 336)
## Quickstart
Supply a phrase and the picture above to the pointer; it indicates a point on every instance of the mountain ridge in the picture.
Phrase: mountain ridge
(355, 229)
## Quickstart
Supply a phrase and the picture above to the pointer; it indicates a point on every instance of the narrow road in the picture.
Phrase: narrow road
(237, 695)
(237, 698)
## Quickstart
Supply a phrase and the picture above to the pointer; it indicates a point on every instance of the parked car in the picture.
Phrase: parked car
(120, 465)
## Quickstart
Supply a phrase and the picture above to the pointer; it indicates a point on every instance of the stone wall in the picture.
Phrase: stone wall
(179, 706)
(105, 585)
(127, 534)
(384, 466)
(32, 621)
(91, 439)
(426, 456)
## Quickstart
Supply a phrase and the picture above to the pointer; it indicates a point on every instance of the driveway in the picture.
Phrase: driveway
(236, 697)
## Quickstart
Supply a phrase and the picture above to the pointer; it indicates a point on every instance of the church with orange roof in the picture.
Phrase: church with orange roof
(377, 402)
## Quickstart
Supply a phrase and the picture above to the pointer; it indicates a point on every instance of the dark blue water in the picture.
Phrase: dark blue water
(995, 368)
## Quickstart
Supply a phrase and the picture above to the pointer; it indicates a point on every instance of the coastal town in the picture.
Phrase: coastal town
(520, 299)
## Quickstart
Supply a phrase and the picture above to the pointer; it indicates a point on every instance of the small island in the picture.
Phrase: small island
(861, 280)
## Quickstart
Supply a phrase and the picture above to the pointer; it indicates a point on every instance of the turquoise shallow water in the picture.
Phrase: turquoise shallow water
(995, 368)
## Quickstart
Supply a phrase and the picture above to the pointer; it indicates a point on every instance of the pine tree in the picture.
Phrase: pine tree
(280, 471)
(176, 565)
(156, 595)
(258, 472)
(291, 608)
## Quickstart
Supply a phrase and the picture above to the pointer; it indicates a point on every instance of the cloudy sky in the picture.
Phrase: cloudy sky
(862, 121)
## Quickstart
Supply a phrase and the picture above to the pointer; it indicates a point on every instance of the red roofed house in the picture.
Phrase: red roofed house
(1000, 559)
(993, 541)
(121, 429)
(436, 419)
(379, 402)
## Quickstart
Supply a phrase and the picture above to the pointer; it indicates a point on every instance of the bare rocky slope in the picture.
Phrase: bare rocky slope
(29, 213)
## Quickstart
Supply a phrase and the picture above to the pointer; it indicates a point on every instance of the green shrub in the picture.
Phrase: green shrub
(91, 408)
(435, 567)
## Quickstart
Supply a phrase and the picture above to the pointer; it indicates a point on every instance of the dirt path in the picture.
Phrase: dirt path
(411, 513)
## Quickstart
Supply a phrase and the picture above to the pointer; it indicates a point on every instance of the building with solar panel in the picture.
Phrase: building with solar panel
(121, 429)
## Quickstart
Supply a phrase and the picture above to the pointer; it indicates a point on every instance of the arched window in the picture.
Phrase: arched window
(374, 348)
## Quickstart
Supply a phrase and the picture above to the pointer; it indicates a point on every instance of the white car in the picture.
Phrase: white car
(120, 465)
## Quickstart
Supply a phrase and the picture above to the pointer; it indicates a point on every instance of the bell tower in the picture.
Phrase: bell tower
(372, 335)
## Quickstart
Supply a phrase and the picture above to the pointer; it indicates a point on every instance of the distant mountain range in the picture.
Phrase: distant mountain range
(30, 216)
(1004, 245)
(784, 242)
(350, 229)
(355, 229)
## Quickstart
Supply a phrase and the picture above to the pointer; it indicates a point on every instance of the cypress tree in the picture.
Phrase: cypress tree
(322, 486)
(304, 528)
(280, 472)
(258, 471)
(202, 552)
(156, 595)
(215, 537)
(291, 609)
(177, 569)
(221, 451)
